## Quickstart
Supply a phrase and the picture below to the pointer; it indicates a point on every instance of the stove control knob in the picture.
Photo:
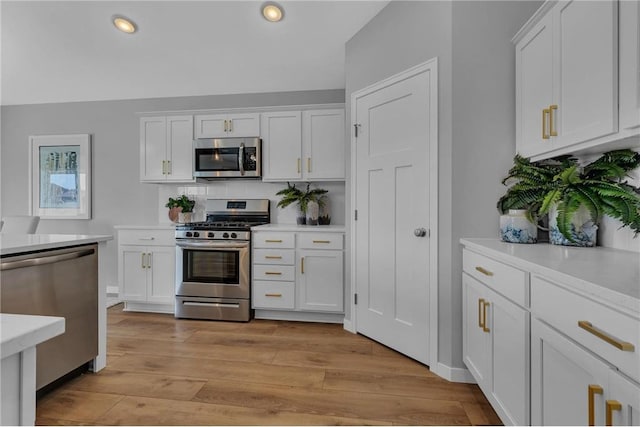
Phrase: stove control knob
(196, 234)
(210, 235)
(188, 234)
(234, 235)
(225, 235)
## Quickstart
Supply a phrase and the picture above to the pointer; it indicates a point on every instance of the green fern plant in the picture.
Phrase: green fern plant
(599, 186)
(291, 194)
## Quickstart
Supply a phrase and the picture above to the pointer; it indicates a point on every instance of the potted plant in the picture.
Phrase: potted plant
(575, 196)
(291, 194)
(180, 208)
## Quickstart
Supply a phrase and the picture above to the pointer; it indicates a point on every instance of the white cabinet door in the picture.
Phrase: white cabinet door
(243, 125)
(133, 272)
(179, 148)
(161, 283)
(627, 395)
(586, 71)
(153, 144)
(629, 64)
(323, 144)
(211, 126)
(534, 89)
(320, 280)
(476, 342)
(282, 146)
(562, 375)
(225, 125)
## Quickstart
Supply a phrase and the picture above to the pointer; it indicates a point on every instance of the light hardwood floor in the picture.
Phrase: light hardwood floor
(163, 371)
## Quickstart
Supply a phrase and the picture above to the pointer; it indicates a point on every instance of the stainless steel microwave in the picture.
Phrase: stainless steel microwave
(227, 158)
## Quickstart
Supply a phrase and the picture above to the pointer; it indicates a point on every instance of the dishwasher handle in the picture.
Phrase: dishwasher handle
(43, 260)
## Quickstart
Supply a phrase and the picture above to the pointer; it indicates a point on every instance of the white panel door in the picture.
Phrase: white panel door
(282, 146)
(179, 145)
(392, 199)
(320, 280)
(586, 71)
(629, 64)
(323, 144)
(133, 272)
(243, 125)
(153, 146)
(534, 90)
(161, 270)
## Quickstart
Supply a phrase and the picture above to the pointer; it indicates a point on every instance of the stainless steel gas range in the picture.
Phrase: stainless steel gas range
(213, 260)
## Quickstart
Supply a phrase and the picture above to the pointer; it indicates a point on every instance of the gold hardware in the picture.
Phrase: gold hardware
(142, 261)
(485, 304)
(322, 241)
(612, 405)
(149, 260)
(480, 302)
(302, 265)
(168, 167)
(308, 164)
(230, 125)
(593, 389)
(620, 345)
(273, 273)
(272, 257)
(273, 241)
(544, 123)
(485, 272)
(273, 295)
(225, 126)
(164, 167)
(298, 165)
(552, 131)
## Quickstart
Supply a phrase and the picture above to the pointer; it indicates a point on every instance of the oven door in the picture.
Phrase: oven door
(213, 269)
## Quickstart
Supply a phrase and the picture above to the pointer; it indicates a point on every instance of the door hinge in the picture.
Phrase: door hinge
(356, 127)
(355, 299)
(355, 215)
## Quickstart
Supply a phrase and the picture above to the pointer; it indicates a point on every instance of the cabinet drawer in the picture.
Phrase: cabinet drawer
(320, 240)
(274, 272)
(277, 295)
(602, 330)
(274, 256)
(147, 237)
(268, 239)
(506, 280)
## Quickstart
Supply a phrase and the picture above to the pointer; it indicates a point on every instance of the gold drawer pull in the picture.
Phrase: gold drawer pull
(273, 295)
(593, 390)
(545, 112)
(484, 271)
(272, 257)
(485, 304)
(552, 131)
(620, 345)
(273, 273)
(612, 405)
(480, 303)
(273, 241)
(322, 241)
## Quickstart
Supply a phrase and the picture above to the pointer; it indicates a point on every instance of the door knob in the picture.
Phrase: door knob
(419, 232)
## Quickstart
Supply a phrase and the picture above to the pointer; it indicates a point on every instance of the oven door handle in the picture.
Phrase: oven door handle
(213, 245)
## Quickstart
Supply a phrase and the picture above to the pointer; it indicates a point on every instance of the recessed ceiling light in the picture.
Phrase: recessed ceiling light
(123, 24)
(272, 12)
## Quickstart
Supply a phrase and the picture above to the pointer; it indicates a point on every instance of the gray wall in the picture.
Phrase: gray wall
(118, 195)
(476, 117)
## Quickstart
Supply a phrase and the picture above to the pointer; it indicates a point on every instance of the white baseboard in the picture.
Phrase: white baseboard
(299, 316)
(348, 326)
(456, 375)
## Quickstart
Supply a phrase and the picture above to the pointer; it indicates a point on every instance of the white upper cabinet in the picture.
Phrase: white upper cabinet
(629, 65)
(239, 125)
(567, 78)
(303, 146)
(165, 149)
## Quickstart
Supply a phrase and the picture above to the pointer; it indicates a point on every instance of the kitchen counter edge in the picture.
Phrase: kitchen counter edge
(15, 244)
(300, 228)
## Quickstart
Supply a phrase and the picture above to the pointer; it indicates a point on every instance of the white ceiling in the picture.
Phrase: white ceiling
(56, 51)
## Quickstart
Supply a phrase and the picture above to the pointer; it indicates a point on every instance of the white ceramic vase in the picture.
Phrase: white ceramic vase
(515, 227)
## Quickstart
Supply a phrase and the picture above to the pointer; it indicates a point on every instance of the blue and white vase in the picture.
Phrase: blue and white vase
(515, 227)
(583, 230)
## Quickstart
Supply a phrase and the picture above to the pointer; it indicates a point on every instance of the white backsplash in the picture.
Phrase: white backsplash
(249, 190)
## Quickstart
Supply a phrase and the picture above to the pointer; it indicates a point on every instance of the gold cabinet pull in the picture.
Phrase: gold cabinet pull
(168, 167)
(302, 265)
(322, 241)
(619, 344)
(230, 125)
(485, 304)
(552, 131)
(484, 271)
(225, 126)
(612, 405)
(142, 261)
(545, 112)
(273, 295)
(273, 273)
(272, 257)
(164, 167)
(308, 164)
(480, 303)
(273, 241)
(298, 165)
(592, 391)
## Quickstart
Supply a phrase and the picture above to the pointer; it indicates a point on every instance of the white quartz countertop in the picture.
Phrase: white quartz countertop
(146, 227)
(19, 331)
(12, 244)
(604, 273)
(295, 227)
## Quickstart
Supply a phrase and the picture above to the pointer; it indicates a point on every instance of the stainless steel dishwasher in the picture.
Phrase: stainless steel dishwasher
(60, 282)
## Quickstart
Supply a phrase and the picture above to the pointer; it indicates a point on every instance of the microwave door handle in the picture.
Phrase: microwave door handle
(241, 158)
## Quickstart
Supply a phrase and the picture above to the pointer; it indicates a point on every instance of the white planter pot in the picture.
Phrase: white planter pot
(583, 230)
(184, 217)
(516, 228)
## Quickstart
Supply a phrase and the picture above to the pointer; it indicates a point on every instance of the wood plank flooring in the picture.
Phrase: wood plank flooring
(163, 371)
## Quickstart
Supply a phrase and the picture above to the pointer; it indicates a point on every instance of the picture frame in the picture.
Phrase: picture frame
(60, 175)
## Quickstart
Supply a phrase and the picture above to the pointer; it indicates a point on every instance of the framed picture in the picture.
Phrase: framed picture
(60, 171)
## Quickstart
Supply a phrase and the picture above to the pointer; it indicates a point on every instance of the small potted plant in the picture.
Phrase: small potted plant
(291, 194)
(180, 209)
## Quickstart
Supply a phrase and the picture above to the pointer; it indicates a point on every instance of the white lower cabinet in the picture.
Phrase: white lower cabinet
(319, 280)
(146, 269)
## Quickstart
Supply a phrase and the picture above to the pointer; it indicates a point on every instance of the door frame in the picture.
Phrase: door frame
(432, 67)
